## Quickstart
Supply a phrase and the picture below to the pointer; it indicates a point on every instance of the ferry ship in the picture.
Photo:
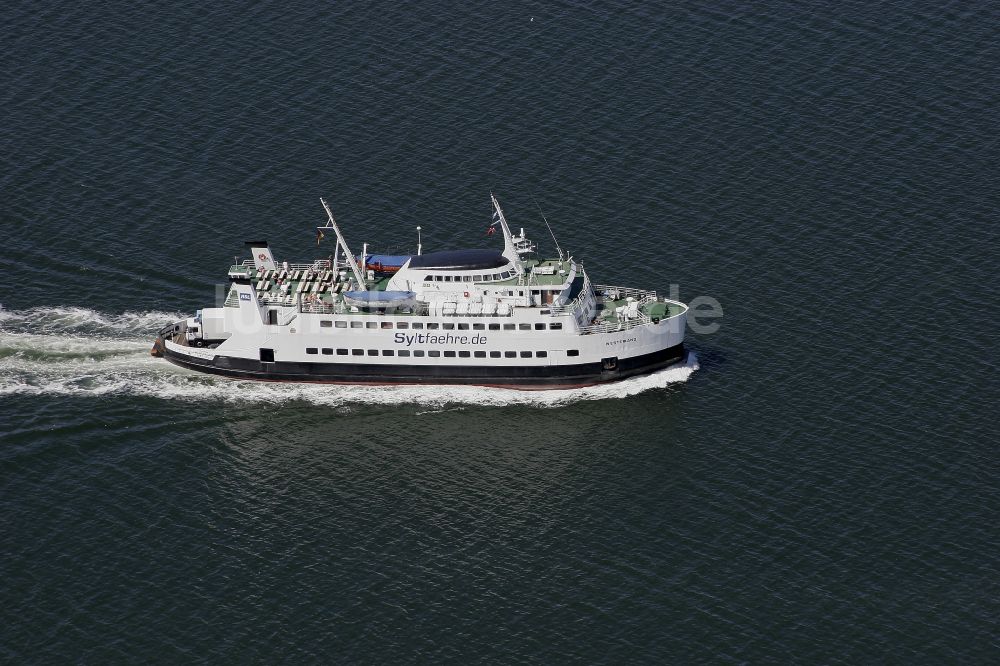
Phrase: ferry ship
(476, 316)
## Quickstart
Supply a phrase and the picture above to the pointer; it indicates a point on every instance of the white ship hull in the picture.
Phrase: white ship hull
(519, 359)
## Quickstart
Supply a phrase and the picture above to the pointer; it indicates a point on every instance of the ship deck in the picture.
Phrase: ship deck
(310, 288)
(544, 272)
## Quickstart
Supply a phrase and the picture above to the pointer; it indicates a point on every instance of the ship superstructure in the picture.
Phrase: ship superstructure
(478, 316)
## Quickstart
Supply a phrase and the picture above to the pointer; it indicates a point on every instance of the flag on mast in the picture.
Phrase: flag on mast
(319, 235)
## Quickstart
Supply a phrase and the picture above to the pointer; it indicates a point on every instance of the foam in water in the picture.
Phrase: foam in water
(84, 322)
(76, 351)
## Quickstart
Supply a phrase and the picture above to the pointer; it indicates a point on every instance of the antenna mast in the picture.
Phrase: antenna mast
(559, 249)
(350, 255)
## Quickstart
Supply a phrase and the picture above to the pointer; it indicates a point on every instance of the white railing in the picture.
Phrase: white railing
(624, 292)
(322, 308)
(615, 326)
(418, 310)
(342, 308)
(577, 304)
(247, 265)
(642, 297)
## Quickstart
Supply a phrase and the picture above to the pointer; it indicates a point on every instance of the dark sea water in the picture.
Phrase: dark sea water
(821, 486)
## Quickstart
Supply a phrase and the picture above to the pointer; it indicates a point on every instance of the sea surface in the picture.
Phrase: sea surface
(818, 484)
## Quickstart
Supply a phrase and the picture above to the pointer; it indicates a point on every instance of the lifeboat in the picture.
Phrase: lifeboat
(380, 300)
(386, 264)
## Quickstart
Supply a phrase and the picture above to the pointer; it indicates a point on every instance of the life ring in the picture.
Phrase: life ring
(466, 294)
(262, 256)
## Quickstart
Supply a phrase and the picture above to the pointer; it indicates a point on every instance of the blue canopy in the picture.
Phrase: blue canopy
(386, 259)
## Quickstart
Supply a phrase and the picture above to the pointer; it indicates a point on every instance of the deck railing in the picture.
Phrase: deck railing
(618, 325)
(577, 304)
(247, 265)
(624, 292)
(417, 310)
(614, 293)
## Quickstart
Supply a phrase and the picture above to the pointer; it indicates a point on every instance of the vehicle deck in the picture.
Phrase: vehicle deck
(311, 288)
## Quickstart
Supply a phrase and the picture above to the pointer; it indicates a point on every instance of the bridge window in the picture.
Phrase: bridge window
(477, 278)
(428, 278)
(438, 278)
(466, 278)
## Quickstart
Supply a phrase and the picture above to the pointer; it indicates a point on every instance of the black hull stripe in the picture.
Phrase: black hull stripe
(526, 377)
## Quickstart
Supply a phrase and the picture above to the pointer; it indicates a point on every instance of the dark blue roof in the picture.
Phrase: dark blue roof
(468, 260)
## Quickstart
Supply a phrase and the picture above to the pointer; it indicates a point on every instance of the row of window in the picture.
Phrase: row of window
(433, 326)
(433, 353)
(468, 278)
